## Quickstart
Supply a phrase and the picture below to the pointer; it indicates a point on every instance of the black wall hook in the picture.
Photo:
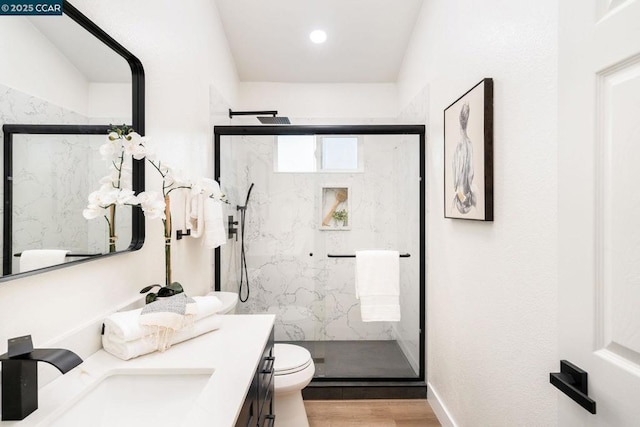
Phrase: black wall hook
(180, 234)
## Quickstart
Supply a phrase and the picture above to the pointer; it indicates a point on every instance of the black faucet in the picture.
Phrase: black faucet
(20, 374)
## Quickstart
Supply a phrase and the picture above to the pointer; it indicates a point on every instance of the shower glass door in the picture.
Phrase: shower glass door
(319, 195)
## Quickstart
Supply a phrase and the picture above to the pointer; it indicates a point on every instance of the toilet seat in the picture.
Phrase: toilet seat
(290, 359)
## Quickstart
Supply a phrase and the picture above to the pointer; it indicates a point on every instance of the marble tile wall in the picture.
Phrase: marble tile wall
(289, 271)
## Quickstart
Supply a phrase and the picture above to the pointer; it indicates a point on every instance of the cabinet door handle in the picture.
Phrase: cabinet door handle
(268, 365)
(271, 419)
(572, 381)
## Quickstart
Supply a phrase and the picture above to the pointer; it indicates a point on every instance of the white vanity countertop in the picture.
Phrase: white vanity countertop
(233, 352)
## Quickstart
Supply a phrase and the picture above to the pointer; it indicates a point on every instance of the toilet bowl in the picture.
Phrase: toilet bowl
(293, 371)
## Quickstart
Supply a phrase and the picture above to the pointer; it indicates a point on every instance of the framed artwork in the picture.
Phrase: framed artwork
(334, 208)
(468, 155)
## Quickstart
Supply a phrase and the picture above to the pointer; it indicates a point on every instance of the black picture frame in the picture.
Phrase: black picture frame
(468, 154)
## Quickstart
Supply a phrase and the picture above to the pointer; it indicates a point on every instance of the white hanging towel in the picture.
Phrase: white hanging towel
(214, 232)
(33, 259)
(194, 214)
(378, 285)
(204, 216)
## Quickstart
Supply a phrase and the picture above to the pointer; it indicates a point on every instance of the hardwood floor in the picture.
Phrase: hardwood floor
(370, 413)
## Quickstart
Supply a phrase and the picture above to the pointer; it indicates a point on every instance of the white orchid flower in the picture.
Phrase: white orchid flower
(113, 136)
(109, 180)
(126, 181)
(104, 197)
(111, 150)
(152, 204)
(134, 146)
(92, 211)
(126, 197)
(138, 152)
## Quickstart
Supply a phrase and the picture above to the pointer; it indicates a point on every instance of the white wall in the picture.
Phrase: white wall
(184, 52)
(320, 101)
(492, 287)
(35, 72)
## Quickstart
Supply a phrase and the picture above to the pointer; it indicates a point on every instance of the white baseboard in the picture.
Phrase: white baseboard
(439, 408)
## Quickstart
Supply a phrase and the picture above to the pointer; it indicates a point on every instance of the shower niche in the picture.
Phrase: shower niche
(334, 213)
(321, 193)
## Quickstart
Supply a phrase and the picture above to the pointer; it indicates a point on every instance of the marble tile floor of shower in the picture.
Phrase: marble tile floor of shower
(358, 359)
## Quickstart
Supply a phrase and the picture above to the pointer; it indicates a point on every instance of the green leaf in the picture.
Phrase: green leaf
(177, 287)
(148, 288)
(150, 298)
(166, 292)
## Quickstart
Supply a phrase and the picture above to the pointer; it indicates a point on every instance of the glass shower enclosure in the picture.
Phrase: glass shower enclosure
(303, 200)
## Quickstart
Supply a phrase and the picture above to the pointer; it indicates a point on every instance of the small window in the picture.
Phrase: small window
(296, 153)
(316, 153)
(339, 153)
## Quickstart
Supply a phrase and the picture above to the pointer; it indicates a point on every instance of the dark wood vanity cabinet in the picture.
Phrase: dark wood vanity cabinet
(257, 410)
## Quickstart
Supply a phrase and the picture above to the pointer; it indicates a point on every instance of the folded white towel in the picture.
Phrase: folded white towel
(32, 259)
(129, 350)
(124, 327)
(378, 285)
(163, 317)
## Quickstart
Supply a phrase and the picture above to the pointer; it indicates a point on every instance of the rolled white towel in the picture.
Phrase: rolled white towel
(141, 346)
(124, 326)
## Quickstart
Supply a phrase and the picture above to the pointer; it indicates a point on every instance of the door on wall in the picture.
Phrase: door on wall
(599, 206)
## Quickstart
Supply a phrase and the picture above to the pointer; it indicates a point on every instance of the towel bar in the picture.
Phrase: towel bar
(353, 256)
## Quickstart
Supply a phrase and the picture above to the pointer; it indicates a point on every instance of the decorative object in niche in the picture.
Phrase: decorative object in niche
(335, 208)
(122, 142)
(341, 217)
(468, 154)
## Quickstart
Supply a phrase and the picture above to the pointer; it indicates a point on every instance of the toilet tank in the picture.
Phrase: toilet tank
(229, 301)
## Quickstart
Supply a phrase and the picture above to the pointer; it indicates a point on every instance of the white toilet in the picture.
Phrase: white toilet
(294, 370)
(229, 301)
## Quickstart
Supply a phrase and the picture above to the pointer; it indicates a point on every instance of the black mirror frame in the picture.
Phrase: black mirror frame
(137, 122)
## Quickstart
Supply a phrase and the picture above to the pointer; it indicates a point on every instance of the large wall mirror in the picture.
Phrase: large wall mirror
(64, 81)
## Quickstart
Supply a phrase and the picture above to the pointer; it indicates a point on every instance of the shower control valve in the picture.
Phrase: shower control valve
(233, 230)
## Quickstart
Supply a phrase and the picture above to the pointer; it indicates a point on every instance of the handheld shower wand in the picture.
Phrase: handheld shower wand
(244, 273)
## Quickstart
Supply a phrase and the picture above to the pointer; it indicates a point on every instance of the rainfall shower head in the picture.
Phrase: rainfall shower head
(266, 120)
(262, 116)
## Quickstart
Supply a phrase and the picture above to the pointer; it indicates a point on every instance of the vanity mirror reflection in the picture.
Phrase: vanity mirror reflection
(64, 82)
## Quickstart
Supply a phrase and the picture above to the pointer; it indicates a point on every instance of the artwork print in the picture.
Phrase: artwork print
(468, 155)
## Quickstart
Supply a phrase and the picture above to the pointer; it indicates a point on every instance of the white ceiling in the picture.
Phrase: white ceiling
(366, 39)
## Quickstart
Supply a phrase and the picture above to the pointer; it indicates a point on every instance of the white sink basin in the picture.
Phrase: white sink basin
(135, 398)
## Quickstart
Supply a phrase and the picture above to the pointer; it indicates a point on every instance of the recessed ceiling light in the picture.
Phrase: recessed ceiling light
(318, 36)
